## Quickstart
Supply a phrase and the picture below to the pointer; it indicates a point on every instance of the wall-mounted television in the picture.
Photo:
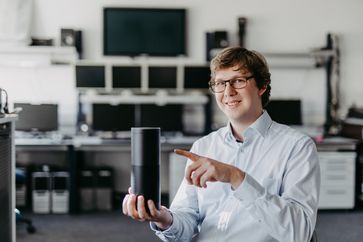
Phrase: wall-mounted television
(144, 31)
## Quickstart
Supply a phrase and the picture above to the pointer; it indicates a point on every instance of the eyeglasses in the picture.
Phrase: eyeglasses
(220, 86)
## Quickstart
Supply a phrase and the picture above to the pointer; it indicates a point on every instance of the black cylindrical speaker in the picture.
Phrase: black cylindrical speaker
(145, 161)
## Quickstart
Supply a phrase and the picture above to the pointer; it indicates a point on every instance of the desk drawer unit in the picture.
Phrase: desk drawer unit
(337, 180)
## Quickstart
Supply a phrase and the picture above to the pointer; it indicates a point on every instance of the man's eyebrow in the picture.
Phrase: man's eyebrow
(233, 77)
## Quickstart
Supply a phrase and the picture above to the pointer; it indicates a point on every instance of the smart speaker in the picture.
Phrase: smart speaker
(145, 160)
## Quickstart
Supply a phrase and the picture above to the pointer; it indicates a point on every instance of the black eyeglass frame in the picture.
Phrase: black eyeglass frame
(231, 82)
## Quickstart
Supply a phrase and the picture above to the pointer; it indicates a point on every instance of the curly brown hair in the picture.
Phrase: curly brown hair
(251, 60)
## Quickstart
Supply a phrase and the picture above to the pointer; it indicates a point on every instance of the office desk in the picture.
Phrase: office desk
(337, 157)
(78, 150)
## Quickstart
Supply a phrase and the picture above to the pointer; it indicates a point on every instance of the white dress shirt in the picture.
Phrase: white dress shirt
(277, 201)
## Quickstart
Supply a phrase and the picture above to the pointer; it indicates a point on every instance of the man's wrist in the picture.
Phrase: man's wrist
(237, 178)
(164, 225)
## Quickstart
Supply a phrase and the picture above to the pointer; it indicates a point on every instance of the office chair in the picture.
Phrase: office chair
(20, 219)
(20, 179)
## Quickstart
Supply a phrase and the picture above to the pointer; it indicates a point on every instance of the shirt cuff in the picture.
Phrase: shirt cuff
(171, 232)
(249, 191)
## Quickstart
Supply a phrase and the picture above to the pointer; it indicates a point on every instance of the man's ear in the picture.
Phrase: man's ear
(262, 90)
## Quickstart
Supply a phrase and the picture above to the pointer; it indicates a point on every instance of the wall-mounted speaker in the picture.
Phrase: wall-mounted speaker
(215, 41)
(71, 37)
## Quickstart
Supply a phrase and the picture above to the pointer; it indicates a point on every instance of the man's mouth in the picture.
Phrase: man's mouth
(232, 103)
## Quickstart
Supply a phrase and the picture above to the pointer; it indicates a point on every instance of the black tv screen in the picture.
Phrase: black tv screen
(126, 76)
(285, 111)
(168, 117)
(196, 77)
(162, 76)
(34, 117)
(106, 117)
(149, 31)
(90, 76)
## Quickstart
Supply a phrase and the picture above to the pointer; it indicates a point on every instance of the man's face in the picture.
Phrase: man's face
(239, 105)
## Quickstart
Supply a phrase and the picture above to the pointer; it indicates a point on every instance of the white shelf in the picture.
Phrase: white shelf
(30, 56)
(145, 99)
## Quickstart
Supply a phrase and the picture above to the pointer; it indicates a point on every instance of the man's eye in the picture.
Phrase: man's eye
(239, 81)
(219, 84)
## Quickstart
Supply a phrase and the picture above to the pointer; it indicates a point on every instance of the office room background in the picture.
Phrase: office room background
(287, 32)
(273, 27)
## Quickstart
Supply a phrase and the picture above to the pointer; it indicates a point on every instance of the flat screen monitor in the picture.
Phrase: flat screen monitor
(106, 117)
(162, 76)
(90, 76)
(126, 76)
(285, 111)
(149, 31)
(196, 77)
(167, 117)
(42, 117)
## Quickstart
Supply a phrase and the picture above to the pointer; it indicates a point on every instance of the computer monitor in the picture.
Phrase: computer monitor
(167, 117)
(196, 77)
(106, 117)
(162, 76)
(42, 117)
(90, 76)
(285, 111)
(126, 77)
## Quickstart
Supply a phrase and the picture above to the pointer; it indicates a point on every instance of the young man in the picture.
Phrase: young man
(253, 180)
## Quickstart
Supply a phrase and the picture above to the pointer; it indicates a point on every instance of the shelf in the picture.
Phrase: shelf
(30, 56)
(145, 99)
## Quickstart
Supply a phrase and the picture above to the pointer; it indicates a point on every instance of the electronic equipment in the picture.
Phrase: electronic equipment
(285, 111)
(215, 41)
(106, 117)
(33, 117)
(145, 161)
(168, 117)
(126, 77)
(149, 31)
(162, 76)
(196, 77)
(41, 192)
(104, 188)
(60, 192)
(71, 37)
(242, 21)
(87, 190)
(90, 76)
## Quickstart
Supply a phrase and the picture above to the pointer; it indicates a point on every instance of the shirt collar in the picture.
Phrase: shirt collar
(261, 126)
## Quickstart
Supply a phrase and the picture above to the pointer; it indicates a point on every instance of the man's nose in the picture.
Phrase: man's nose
(229, 90)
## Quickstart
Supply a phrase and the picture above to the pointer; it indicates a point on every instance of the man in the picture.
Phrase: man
(253, 180)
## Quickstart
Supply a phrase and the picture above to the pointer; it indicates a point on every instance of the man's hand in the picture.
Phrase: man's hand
(134, 207)
(203, 170)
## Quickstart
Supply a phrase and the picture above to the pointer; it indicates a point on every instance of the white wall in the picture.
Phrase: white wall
(273, 26)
